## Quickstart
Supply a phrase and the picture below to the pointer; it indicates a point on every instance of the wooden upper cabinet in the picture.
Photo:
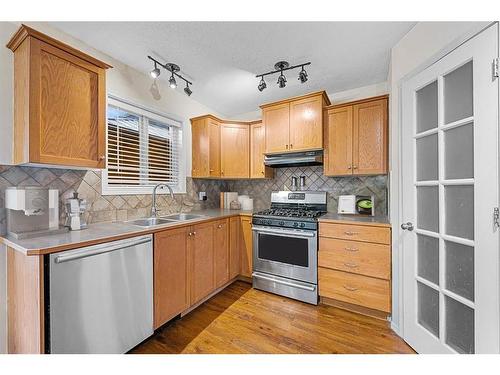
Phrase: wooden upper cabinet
(257, 149)
(306, 124)
(356, 138)
(214, 148)
(295, 124)
(235, 151)
(370, 137)
(338, 142)
(276, 120)
(59, 103)
(171, 277)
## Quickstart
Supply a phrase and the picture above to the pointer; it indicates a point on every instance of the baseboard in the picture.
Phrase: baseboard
(245, 279)
(355, 308)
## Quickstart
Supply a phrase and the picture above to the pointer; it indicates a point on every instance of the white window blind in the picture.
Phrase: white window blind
(143, 148)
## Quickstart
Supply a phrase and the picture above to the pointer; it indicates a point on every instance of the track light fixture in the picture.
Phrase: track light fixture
(173, 69)
(187, 90)
(280, 67)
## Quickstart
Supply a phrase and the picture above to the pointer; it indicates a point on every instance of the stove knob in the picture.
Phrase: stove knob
(302, 225)
(282, 223)
(295, 224)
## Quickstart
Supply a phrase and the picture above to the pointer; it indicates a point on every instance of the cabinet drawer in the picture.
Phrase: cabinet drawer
(356, 289)
(357, 257)
(356, 232)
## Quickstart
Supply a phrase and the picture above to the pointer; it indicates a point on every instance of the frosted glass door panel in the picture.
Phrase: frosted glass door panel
(459, 152)
(428, 258)
(428, 308)
(459, 326)
(459, 265)
(458, 103)
(427, 158)
(427, 107)
(428, 208)
(459, 211)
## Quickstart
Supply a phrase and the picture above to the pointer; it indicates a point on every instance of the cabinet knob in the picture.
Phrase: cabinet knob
(262, 172)
(287, 147)
(354, 167)
(291, 146)
(212, 170)
(194, 233)
(349, 167)
(219, 226)
(102, 157)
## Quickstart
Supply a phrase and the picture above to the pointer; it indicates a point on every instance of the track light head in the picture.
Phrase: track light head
(262, 84)
(172, 82)
(303, 76)
(281, 81)
(187, 90)
(155, 72)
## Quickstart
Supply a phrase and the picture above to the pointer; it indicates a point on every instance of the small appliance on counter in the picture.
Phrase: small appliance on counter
(356, 205)
(32, 211)
(75, 208)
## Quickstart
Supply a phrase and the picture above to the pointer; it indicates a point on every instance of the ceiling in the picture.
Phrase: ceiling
(222, 58)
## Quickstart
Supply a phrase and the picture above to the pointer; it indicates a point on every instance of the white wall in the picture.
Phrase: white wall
(121, 81)
(424, 44)
(335, 97)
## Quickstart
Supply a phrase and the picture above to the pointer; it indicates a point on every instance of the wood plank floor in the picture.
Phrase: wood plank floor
(244, 320)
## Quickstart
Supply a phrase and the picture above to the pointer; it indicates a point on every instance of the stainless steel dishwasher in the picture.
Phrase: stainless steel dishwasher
(101, 297)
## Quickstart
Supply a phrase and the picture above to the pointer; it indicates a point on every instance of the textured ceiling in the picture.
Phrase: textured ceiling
(222, 58)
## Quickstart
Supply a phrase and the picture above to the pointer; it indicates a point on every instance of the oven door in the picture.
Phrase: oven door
(291, 253)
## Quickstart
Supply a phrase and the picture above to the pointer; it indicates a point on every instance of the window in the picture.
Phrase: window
(143, 149)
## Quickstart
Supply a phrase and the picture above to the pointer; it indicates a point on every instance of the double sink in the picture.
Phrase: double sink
(169, 219)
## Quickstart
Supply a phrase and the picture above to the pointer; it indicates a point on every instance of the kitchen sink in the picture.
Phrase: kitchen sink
(182, 217)
(151, 221)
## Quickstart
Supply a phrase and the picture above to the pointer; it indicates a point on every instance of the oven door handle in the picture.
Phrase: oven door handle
(284, 232)
(310, 288)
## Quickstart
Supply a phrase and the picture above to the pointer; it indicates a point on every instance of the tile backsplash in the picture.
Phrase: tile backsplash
(124, 207)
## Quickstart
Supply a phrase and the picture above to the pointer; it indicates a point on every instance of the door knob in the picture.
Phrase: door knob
(407, 226)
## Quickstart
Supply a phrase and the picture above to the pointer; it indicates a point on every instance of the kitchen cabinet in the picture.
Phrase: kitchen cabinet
(246, 249)
(257, 149)
(295, 124)
(234, 247)
(235, 151)
(354, 266)
(171, 282)
(356, 138)
(201, 249)
(221, 252)
(214, 147)
(59, 103)
(205, 134)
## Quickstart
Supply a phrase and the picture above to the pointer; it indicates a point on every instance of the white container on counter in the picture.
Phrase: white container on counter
(247, 204)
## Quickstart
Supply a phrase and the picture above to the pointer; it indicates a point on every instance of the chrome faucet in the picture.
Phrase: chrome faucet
(154, 210)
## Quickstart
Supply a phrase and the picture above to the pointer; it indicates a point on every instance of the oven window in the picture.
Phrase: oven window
(290, 250)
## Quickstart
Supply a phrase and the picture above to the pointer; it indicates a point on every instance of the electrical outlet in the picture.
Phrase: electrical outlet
(202, 196)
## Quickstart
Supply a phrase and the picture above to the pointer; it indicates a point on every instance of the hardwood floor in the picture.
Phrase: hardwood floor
(244, 320)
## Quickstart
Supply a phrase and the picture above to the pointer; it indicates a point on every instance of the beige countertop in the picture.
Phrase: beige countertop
(105, 232)
(332, 217)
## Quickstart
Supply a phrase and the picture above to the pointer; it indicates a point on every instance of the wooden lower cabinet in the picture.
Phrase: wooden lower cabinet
(246, 250)
(171, 284)
(234, 247)
(221, 252)
(201, 249)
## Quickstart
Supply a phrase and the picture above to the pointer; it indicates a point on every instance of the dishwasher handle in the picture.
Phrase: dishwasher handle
(100, 250)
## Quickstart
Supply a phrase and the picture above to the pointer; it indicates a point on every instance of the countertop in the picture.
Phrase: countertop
(332, 217)
(105, 232)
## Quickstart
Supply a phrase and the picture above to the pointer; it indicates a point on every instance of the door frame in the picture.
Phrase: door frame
(395, 177)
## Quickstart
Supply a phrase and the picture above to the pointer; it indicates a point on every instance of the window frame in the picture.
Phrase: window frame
(152, 114)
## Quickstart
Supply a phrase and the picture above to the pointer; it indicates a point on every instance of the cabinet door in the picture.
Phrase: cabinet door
(257, 149)
(67, 109)
(277, 127)
(200, 148)
(246, 246)
(370, 138)
(221, 251)
(235, 151)
(214, 148)
(306, 124)
(234, 247)
(202, 261)
(171, 291)
(338, 142)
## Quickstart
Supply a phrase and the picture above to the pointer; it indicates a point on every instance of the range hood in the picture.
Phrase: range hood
(294, 159)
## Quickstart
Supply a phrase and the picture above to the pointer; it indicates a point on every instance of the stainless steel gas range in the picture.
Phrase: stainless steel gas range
(285, 245)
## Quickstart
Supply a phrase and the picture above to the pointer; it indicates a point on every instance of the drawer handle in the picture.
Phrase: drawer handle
(352, 249)
(350, 288)
(349, 233)
(351, 265)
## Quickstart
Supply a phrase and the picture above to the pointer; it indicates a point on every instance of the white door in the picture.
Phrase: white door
(450, 189)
